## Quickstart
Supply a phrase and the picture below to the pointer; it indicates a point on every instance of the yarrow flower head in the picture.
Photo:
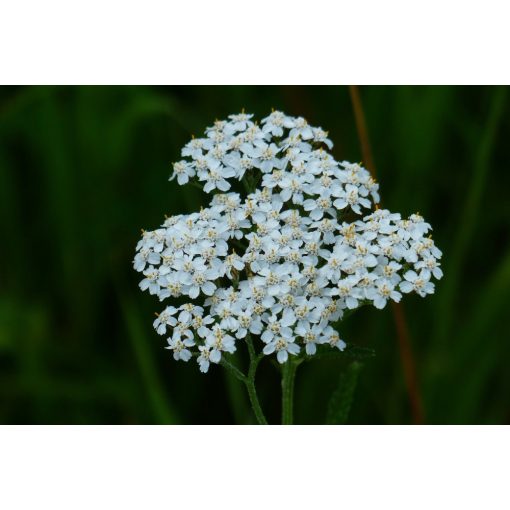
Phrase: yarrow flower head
(282, 261)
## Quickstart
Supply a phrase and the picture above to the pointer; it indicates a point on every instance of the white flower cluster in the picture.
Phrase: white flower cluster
(283, 263)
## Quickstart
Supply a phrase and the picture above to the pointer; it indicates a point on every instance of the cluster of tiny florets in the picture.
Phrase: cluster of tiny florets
(283, 262)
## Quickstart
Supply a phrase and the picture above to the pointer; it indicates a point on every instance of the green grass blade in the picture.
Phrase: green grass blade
(341, 399)
(468, 220)
(163, 411)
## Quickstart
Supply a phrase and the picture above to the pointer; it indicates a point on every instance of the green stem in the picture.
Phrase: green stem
(249, 379)
(288, 376)
(197, 185)
(255, 404)
(250, 382)
(233, 369)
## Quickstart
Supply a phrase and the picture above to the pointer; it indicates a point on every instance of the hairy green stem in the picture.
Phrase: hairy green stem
(249, 379)
(250, 382)
(288, 376)
(233, 369)
(255, 404)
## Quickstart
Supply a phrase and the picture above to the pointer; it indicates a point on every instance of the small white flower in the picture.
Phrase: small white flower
(219, 342)
(241, 121)
(348, 290)
(264, 155)
(417, 283)
(311, 336)
(432, 265)
(183, 171)
(321, 136)
(351, 197)
(151, 280)
(203, 358)
(164, 319)
(273, 124)
(383, 291)
(217, 179)
(283, 348)
(180, 348)
(331, 337)
(276, 327)
(317, 207)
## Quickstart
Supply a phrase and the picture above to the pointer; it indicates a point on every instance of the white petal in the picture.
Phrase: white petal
(269, 349)
(282, 356)
(208, 288)
(380, 302)
(311, 348)
(215, 356)
(193, 292)
(406, 287)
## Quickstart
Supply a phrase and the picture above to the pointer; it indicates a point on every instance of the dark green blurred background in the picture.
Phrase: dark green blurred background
(83, 169)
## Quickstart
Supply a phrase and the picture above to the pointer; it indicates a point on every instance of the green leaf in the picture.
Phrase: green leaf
(341, 399)
(354, 352)
(470, 214)
(357, 352)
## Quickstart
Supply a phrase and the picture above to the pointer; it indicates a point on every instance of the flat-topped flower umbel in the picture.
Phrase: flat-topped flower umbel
(282, 261)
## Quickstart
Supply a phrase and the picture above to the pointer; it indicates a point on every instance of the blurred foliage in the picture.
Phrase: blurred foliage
(83, 169)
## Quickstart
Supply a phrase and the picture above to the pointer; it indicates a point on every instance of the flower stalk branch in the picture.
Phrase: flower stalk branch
(250, 382)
